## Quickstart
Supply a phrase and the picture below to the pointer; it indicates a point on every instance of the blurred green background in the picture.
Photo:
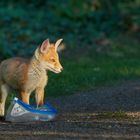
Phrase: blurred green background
(101, 37)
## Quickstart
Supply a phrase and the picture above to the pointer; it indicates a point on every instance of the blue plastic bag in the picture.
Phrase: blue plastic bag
(19, 111)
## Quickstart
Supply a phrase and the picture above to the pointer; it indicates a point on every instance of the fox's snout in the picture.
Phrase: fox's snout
(60, 69)
(57, 68)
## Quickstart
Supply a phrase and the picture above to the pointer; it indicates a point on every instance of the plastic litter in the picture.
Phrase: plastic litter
(19, 111)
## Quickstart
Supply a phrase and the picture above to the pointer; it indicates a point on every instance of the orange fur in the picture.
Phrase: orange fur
(27, 75)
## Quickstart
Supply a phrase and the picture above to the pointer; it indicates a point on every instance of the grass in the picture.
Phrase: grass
(22, 29)
(114, 115)
(87, 71)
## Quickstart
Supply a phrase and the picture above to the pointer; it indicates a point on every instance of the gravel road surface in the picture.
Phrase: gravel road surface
(79, 119)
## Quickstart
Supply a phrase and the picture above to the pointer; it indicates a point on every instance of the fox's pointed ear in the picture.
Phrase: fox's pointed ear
(57, 44)
(45, 45)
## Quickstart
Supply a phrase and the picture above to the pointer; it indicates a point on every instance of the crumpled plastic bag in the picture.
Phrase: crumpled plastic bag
(19, 111)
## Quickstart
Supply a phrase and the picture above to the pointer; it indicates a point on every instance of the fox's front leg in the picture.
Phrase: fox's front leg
(25, 97)
(39, 96)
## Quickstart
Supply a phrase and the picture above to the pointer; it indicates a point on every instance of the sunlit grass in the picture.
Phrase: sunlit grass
(92, 72)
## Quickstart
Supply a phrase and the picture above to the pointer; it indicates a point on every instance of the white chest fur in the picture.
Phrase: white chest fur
(37, 77)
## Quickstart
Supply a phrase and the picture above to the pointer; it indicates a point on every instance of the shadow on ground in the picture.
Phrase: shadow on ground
(124, 97)
(78, 117)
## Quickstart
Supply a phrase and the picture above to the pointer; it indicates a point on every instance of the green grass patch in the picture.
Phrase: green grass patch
(24, 25)
(112, 115)
(89, 71)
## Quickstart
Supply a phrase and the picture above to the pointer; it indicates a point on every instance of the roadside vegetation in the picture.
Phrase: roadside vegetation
(101, 39)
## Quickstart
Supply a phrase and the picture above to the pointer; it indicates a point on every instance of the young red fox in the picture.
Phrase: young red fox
(28, 75)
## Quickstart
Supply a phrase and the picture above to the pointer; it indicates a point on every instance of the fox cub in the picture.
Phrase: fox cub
(28, 75)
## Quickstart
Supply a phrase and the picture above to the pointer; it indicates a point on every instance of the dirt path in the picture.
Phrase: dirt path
(79, 117)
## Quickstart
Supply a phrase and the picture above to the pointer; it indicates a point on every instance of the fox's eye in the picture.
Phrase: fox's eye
(52, 59)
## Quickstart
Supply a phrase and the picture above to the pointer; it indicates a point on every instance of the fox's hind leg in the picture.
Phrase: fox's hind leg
(4, 88)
